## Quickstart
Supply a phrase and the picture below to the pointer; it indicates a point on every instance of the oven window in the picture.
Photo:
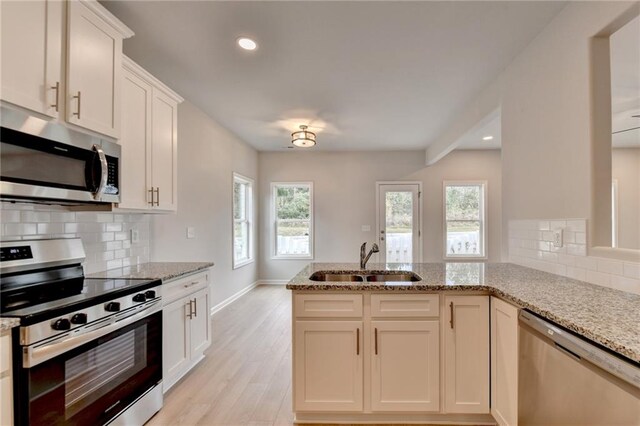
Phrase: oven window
(92, 374)
(93, 383)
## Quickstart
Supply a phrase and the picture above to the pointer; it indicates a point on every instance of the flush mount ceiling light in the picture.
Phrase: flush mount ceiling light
(487, 138)
(247, 44)
(303, 138)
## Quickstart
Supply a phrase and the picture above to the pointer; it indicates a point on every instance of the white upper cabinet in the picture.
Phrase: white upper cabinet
(32, 55)
(84, 90)
(466, 361)
(149, 140)
(94, 68)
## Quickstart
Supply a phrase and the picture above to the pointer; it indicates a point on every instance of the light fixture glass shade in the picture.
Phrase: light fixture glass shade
(303, 138)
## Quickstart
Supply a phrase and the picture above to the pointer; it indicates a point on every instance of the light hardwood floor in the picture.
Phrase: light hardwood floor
(245, 378)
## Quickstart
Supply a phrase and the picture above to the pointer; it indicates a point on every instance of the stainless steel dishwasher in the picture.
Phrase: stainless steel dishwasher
(567, 380)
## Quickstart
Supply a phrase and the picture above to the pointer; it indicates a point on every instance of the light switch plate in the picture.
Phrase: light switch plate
(191, 232)
(135, 236)
(366, 228)
(557, 238)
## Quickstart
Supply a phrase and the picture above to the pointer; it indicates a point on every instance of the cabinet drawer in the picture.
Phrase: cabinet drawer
(328, 305)
(405, 305)
(5, 352)
(181, 287)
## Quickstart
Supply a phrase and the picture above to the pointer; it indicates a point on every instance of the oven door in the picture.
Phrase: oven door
(93, 383)
(34, 167)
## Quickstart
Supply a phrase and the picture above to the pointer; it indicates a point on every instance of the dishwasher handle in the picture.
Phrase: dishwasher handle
(580, 348)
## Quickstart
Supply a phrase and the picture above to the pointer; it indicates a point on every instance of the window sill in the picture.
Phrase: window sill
(464, 258)
(291, 257)
(242, 263)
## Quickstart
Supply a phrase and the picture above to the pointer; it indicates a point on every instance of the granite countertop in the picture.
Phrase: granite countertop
(7, 323)
(607, 316)
(153, 270)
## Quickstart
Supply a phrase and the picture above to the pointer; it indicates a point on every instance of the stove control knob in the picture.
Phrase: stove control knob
(61, 324)
(80, 318)
(140, 297)
(150, 294)
(112, 307)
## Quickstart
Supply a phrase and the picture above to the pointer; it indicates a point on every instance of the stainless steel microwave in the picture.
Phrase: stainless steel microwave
(42, 161)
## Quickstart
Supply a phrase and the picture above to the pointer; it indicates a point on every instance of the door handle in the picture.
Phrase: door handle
(104, 172)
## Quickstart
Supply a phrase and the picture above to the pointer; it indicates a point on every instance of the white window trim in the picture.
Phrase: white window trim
(484, 225)
(274, 255)
(237, 177)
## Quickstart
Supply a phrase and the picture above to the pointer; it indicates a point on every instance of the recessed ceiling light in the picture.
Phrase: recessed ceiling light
(487, 138)
(247, 43)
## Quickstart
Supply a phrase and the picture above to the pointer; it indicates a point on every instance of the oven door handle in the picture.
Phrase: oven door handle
(35, 354)
(104, 172)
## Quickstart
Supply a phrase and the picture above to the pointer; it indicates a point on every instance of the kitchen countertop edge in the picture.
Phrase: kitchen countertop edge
(165, 271)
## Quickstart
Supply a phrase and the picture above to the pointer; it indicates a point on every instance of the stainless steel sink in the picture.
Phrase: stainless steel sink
(404, 276)
(369, 276)
(329, 276)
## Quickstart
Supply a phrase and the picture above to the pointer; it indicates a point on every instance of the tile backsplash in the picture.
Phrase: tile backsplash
(531, 245)
(106, 236)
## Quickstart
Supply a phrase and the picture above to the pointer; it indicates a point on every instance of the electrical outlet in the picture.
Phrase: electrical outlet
(191, 232)
(135, 236)
(557, 238)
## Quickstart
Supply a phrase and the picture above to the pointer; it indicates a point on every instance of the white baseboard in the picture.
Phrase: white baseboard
(272, 282)
(234, 297)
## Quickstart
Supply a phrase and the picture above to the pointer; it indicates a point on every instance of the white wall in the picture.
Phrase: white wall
(625, 168)
(208, 155)
(344, 199)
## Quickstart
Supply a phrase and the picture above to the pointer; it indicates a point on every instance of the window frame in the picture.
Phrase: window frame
(274, 239)
(249, 216)
(483, 219)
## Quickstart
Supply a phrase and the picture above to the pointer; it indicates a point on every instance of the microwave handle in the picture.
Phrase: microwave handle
(104, 170)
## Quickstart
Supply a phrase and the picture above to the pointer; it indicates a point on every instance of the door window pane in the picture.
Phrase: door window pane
(399, 226)
(293, 219)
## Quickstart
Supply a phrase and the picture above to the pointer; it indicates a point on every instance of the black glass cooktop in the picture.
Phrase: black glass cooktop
(37, 302)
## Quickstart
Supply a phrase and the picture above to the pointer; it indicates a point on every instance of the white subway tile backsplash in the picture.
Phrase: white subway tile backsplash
(105, 236)
(530, 244)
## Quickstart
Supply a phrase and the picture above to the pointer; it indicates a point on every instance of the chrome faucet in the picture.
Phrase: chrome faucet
(364, 259)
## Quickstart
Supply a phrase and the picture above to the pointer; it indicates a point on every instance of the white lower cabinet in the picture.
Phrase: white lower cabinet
(405, 366)
(186, 328)
(466, 363)
(328, 367)
(6, 381)
(504, 362)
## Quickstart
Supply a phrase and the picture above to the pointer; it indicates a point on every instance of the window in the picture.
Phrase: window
(464, 204)
(242, 220)
(292, 220)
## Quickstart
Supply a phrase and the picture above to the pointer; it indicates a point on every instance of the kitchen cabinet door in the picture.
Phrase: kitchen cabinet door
(328, 366)
(405, 366)
(176, 341)
(31, 71)
(466, 363)
(135, 142)
(94, 69)
(200, 324)
(504, 362)
(164, 151)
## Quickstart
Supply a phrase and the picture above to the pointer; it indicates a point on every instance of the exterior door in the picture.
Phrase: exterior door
(399, 222)
(405, 366)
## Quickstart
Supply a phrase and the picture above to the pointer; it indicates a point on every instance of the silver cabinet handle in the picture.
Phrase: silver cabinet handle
(190, 314)
(191, 284)
(358, 341)
(451, 320)
(79, 98)
(57, 89)
(195, 307)
(151, 192)
(158, 196)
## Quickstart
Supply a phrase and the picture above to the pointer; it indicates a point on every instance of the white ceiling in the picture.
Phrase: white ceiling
(625, 85)
(364, 75)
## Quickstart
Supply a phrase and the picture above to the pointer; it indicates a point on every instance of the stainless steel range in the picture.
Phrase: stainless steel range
(87, 351)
